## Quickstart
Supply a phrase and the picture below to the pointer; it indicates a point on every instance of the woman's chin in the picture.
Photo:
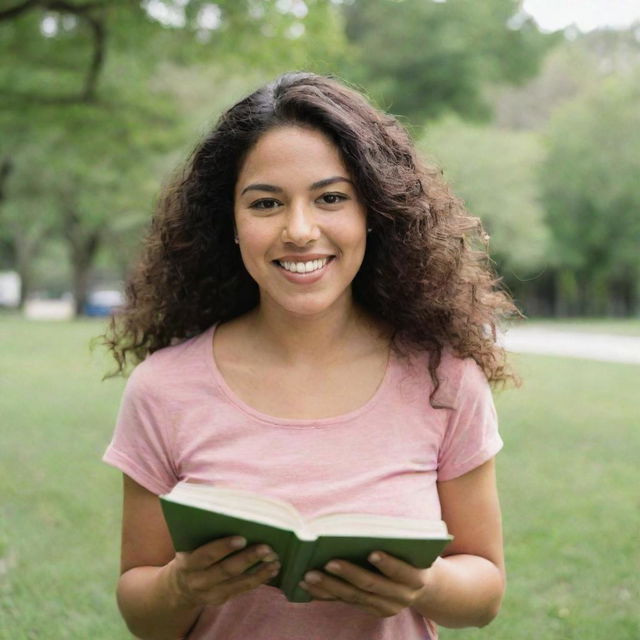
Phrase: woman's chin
(313, 306)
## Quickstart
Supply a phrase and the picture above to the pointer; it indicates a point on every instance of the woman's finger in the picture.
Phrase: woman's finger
(316, 591)
(206, 589)
(211, 553)
(233, 566)
(340, 590)
(247, 581)
(371, 582)
(398, 570)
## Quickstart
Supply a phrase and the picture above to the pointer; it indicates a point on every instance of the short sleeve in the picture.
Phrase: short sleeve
(140, 446)
(471, 436)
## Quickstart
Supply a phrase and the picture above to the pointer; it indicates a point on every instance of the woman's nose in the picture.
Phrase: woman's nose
(300, 225)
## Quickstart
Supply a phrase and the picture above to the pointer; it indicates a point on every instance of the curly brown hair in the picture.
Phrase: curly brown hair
(425, 271)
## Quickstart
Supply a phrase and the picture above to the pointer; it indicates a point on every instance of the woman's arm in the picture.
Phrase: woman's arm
(146, 593)
(161, 594)
(465, 587)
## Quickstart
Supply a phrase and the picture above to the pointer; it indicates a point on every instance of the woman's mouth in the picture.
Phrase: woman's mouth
(304, 272)
(304, 267)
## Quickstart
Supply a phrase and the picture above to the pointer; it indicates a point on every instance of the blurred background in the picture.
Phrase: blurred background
(532, 111)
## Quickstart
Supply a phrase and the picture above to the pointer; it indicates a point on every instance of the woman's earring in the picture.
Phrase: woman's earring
(369, 230)
(235, 239)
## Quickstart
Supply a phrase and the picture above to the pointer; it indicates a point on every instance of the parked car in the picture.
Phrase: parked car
(103, 302)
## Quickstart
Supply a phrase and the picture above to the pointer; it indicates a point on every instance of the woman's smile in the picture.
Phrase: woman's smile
(306, 272)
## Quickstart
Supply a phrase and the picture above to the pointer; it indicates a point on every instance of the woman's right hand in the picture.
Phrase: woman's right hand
(210, 575)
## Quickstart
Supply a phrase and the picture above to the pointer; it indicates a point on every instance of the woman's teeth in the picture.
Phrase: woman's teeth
(304, 267)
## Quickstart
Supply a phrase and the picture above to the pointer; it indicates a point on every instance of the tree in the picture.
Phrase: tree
(420, 58)
(88, 88)
(573, 67)
(567, 71)
(60, 48)
(495, 172)
(26, 221)
(592, 196)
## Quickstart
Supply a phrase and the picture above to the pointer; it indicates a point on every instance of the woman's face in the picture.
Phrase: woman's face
(301, 227)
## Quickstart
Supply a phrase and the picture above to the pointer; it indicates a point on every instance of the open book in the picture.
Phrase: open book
(199, 513)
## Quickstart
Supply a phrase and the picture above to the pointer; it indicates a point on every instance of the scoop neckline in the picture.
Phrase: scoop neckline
(247, 409)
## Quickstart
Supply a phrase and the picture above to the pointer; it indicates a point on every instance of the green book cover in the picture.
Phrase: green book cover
(198, 514)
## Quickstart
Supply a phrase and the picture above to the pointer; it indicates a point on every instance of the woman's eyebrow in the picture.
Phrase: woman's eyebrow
(316, 185)
(261, 187)
(327, 181)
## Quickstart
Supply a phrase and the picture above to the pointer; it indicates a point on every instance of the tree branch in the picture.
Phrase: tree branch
(6, 167)
(97, 60)
(14, 12)
(52, 5)
(83, 12)
(67, 7)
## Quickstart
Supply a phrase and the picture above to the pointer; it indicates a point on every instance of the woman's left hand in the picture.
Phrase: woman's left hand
(382, 595)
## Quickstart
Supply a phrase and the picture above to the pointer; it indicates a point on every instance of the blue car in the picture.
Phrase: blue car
(103, 303)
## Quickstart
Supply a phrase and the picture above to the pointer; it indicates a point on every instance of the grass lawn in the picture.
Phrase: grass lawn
(568, 480)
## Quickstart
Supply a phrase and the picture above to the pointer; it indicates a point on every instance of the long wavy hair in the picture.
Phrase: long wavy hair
(426, 271)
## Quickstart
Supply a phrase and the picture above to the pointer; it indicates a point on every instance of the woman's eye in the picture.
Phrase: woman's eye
(332, 198)
(265, 203)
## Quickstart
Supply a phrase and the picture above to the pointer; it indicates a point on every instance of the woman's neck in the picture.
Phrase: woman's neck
(309, 340)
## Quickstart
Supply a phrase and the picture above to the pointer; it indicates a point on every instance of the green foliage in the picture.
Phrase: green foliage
(590, 158)
(99, 103)
(51, 50)
(44, 66)
(419, 58)
(572, 68)
(592, 193)
(494, 171)
(566, 72)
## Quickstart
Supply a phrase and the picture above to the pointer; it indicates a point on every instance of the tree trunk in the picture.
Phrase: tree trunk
(567, 293)
(83, 254)
(23, 267)
(598, 294)
(83, 246)
(80, 285)
(6, 167)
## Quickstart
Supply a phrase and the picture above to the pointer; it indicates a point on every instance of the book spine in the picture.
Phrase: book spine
(298, 563)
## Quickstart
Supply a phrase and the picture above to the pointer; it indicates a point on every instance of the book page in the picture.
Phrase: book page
(238, 503)
(364, 524)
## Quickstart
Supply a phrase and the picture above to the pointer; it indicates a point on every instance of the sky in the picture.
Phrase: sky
(587, 15)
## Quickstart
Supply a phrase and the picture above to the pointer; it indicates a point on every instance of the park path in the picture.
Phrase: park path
(573, 344)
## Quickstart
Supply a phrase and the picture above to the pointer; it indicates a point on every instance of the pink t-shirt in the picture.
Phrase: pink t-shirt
(180, 421)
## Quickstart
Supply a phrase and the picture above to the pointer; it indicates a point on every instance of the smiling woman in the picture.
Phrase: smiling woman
(313, 320)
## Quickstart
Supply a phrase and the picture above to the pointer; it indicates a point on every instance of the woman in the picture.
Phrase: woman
(313, 324)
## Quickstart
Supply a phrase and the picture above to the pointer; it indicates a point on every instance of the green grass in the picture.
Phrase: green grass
(568, 482)
(59, 521)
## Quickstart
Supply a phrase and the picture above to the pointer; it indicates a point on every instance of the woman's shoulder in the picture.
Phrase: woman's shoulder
(450, 363)
(457, 375)
(172, 364)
